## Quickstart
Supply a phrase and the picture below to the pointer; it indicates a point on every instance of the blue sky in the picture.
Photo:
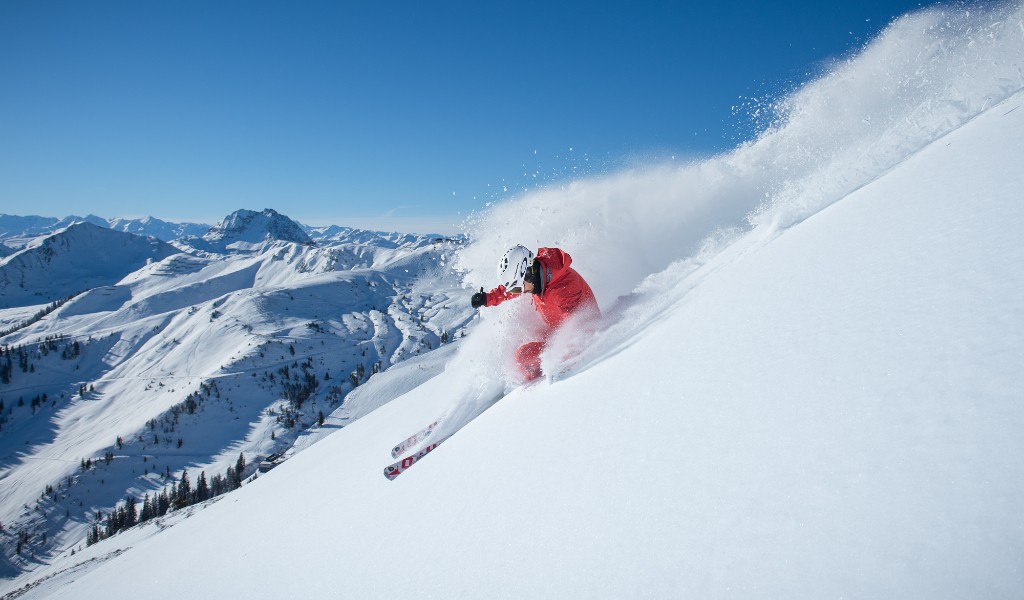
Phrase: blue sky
(390, 115)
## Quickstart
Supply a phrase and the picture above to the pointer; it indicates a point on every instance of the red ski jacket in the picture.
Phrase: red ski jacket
(564, 290)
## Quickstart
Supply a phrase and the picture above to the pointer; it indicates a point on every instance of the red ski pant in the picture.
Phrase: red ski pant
(528, 358)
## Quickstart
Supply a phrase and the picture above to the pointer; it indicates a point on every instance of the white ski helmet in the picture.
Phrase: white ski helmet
(512, 268)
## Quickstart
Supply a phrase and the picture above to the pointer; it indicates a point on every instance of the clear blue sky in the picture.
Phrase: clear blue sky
(378, 114)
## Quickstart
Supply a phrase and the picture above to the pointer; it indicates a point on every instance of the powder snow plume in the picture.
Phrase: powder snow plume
(928, 73)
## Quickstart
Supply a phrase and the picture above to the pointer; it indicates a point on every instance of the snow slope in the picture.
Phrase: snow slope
(822, 400)
(72, 260)
(190, 361)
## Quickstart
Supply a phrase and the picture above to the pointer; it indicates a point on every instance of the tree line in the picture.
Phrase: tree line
(181, 494)
(39, 315)
(69, 350)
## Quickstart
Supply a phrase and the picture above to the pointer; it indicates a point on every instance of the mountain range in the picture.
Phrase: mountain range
(17, 231)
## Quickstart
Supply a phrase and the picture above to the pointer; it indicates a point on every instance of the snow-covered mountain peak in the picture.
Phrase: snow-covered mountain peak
(255, 227)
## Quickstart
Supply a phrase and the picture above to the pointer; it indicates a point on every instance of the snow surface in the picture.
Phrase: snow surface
(806, 382)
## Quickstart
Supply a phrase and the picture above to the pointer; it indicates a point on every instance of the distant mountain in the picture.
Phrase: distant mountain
(21, 229)
(79, 257)
(332, 232)
(255, 227)
(349, 235)
(72, 219)
(157, 228)
(16, 225)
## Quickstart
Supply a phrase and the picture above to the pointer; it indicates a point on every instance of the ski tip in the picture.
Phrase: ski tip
(391, 473)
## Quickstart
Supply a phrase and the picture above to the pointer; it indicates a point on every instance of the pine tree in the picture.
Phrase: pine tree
(217, 485)
(183, 497)
(131, 512)
(163, 503)
(202, 489)
(115, 521)
(147, 510)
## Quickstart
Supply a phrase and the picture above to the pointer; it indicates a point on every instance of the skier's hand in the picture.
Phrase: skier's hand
(479, 299)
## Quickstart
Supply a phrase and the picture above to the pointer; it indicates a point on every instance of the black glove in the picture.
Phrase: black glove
(479, 299)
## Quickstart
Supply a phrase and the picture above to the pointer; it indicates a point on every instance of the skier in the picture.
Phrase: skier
(558, 292)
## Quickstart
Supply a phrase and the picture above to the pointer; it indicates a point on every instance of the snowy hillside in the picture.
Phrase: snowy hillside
(72, 260)
(191, 361)
(805, 383)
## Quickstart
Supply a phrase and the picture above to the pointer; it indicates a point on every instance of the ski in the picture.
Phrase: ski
(396, 469)
(413, 440)
(454, 422)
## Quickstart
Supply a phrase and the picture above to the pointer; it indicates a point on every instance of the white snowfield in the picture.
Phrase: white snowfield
(820, 401)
